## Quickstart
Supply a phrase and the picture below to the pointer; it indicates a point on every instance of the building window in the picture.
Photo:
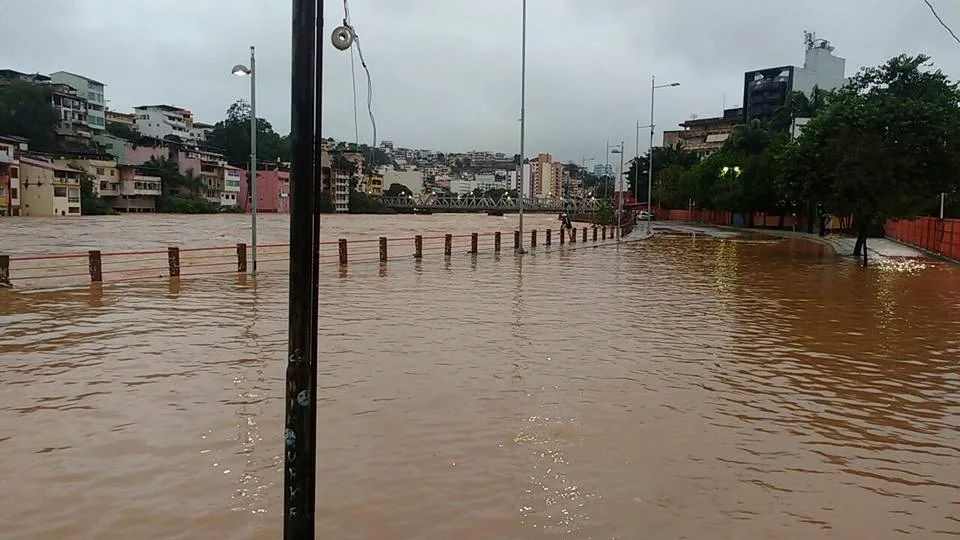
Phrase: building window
(14, 172)
(113, 172)
(14, 193)
(59, 192)
(3, 191)
(103, 185)
(74, 209)
(100, 170)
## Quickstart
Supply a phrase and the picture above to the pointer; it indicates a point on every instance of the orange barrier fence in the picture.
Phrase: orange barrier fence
(711, 217)
(180, 261)
(939, 236)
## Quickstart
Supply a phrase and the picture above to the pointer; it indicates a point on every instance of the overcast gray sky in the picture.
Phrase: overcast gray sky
(446, 73)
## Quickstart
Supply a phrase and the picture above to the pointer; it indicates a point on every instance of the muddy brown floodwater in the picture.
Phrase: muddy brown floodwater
(677, 388)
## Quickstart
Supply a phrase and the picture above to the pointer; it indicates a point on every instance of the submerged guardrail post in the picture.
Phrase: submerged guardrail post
(533, 238)
(383, 250)
(418, 247)
(474, 243)
(342, 249)
(573, 235)
(496, 242)
(173, 261)
(448, 245)
(562, 235)
(95, 262)
(516, 240)
(546, 241)
(604, 228)
(594, 233)
(4, 270)
(584, 234)
(241, 259)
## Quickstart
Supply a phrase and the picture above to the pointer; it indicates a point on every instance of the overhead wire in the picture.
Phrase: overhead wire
(366, 69)
(937, 16)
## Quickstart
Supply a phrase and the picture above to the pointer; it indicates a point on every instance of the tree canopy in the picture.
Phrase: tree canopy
(26, 111)
(883, 146)
(232, 135)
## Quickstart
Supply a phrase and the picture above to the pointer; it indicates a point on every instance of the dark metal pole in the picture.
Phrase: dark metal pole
(299, 476)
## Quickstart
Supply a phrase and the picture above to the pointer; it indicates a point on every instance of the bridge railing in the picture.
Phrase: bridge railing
(95, 266)
(447, 202)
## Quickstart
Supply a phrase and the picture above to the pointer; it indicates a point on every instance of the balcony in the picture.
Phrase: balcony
(6, 158)
(141, 185)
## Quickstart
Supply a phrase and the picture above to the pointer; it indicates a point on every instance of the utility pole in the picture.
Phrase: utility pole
(523, 115)
(300, 419)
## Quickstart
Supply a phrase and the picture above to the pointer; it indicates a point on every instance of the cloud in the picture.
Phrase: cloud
(446, 73)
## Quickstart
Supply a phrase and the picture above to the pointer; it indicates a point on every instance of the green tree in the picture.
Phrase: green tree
(90, 203)
(123, 131)
(232, 135)
(885, 146)
(26, 111)
(362, 203)
(663, 158)
(189, 199)
(397, 190)
(799, 105)
(326, 202)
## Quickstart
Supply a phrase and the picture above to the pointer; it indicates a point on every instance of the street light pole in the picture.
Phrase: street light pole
(243, 71)
(253, 160)
(653, 91)
(622, 191)
(618, 150)
(523, 116)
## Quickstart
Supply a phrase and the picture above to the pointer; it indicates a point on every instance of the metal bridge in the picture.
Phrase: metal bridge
(452, 203)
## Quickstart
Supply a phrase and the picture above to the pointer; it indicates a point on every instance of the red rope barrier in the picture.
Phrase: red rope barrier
(56, 276)
(49, 257)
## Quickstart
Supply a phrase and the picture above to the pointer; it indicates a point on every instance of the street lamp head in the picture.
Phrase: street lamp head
(240, 70)
(616, 151)
(675, 84)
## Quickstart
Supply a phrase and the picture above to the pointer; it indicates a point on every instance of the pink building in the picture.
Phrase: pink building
(273, 190)
(142, 154)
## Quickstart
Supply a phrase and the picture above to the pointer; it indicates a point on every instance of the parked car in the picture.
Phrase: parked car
(643, 215)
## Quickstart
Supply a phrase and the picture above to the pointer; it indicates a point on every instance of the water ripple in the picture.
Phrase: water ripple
(699, 388)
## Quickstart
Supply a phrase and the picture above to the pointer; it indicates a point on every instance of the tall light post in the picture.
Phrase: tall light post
(523, 118)
(653, 91)
(636, 161)
(619, 150)
(242, 71)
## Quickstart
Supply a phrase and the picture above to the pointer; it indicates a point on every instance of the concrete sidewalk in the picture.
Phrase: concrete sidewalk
(842, 245)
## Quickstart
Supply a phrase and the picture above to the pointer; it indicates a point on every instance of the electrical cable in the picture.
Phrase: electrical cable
(935, 14)
(366, 69)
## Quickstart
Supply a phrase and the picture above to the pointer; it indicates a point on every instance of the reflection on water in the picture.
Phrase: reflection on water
(696, 388)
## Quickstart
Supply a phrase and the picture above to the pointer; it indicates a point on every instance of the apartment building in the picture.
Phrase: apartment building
(48, 189)
(161, 121)
(513, 182)
(114, 117)
(548, 178)
(273, 191)
(140, 188)
(72, 109)
(10, 150)
(89, 89)
(375, 184)
(209, 167)
(704, 136)
(766, 90)
(232, 177)
(102, 172)
(200, 131)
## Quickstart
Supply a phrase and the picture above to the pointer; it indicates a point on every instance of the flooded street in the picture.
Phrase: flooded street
(683, 387)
